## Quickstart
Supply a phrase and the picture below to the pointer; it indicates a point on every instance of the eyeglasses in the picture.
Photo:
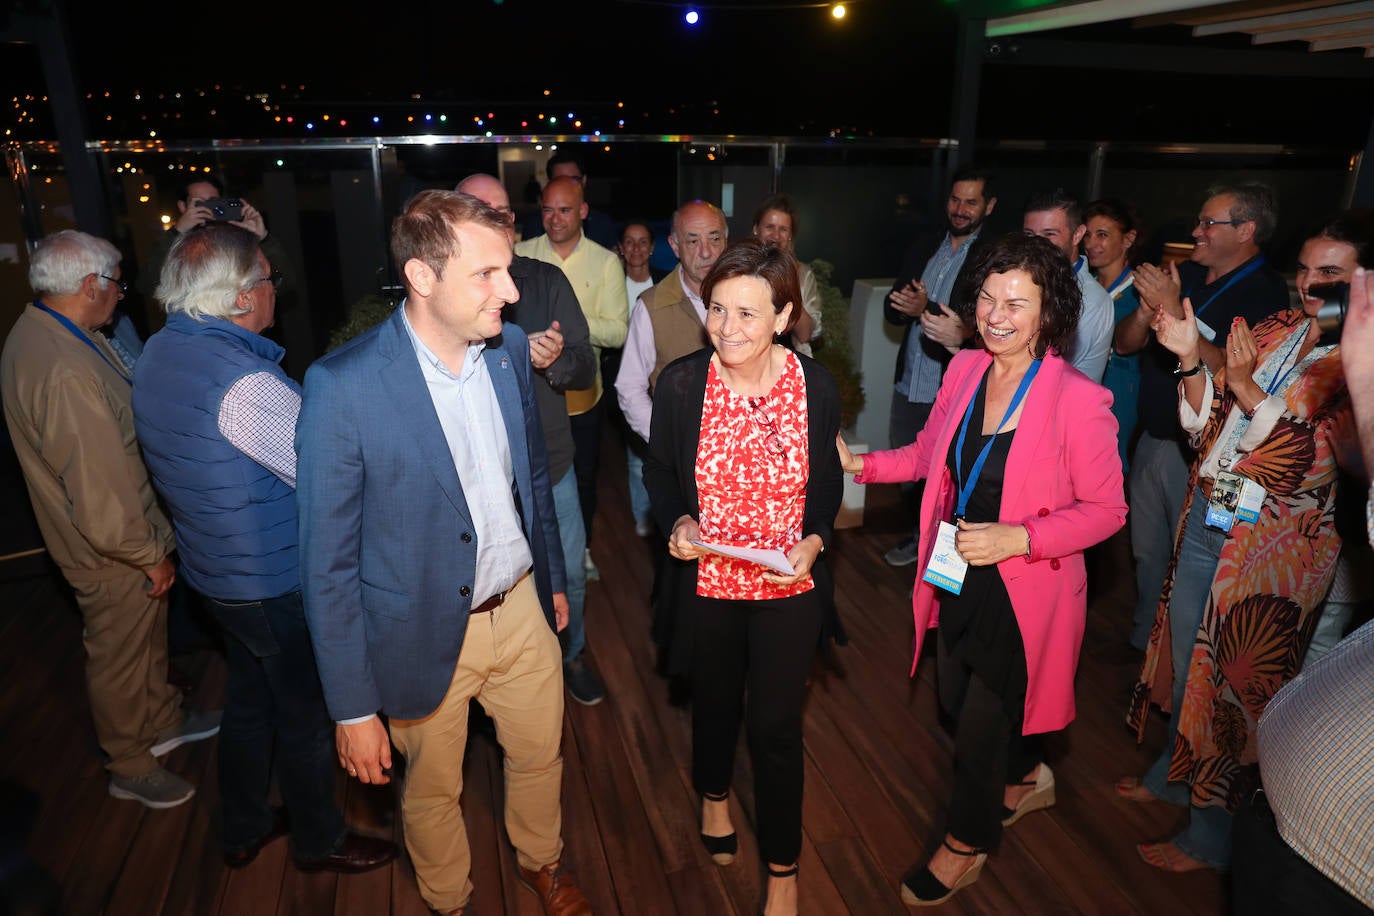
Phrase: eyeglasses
(1204, 223)
(768, 422)
(274, 278)
(123, 285)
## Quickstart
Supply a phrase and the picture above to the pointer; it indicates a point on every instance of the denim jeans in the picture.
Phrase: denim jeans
(273, 699)
(1207, 837)
(639, 496)
(1159, 482)
(568, 507)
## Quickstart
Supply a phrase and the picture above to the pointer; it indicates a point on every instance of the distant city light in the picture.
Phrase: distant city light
(376, 119)
(692, 17)
(281, 162)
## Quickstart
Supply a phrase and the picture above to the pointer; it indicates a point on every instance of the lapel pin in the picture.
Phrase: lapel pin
(505, 362)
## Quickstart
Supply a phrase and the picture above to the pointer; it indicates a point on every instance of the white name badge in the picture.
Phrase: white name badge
(1251, 499)
(1205, 330)
(946, 568)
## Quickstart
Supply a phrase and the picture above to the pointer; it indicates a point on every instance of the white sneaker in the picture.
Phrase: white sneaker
(644, 528)
(593, 574)
(158, 788)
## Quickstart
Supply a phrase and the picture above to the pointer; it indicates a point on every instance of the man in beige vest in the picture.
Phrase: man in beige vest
(669, 320)
(599, 282)
(67, 404)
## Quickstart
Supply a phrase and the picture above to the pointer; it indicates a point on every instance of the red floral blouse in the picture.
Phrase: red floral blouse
(751, 474)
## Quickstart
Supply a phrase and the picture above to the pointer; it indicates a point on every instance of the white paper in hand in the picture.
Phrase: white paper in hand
(775, 560)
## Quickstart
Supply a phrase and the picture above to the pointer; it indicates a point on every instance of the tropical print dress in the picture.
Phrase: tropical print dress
(1270, 580)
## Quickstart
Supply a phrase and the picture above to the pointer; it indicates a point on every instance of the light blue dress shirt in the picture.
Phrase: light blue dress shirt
(476, 434)
(921, 376)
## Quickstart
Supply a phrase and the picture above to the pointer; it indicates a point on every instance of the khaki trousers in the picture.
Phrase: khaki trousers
(512, 664)
(126, 668)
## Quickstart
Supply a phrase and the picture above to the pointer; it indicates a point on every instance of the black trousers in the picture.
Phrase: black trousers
(766, 649)
(990, 753)
(586, 435)
(1268, 877)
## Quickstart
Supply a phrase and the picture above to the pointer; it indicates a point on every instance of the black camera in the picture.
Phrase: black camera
(224, 209)
(1335, 299)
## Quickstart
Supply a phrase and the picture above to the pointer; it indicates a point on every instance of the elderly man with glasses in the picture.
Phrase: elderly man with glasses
(216, 417)
(1226, 278)
(67, 404)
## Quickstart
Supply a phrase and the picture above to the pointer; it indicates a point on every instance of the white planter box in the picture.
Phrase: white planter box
(852, 504)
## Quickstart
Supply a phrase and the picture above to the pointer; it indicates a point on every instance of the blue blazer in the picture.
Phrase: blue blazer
(387, 546)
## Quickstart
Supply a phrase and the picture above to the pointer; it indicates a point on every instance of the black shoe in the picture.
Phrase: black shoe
(357, 853)
(721, 849)
(238, 858)
(583, 684)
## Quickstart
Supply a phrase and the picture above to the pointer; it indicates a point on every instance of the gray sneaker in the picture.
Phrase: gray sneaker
(583, 684)
(904, 554)
(196, 725)
(157, 788)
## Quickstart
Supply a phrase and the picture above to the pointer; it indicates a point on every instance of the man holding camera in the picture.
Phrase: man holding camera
(920, 303)
(202, 202)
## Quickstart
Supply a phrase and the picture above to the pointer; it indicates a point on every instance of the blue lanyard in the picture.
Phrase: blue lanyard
(1235, 278)
(966, 489)
(1276, 383)
(1120, 283)
(76, 332)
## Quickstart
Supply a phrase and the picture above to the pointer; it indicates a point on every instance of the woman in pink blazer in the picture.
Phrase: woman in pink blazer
(1023, 474)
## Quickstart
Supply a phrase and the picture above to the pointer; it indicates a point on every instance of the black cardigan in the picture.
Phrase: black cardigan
(670, 478)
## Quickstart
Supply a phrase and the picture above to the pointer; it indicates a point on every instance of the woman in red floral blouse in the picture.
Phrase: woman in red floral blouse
(742, 455)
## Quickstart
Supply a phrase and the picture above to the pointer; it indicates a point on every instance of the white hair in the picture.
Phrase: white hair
(61, 262)
(206, 270)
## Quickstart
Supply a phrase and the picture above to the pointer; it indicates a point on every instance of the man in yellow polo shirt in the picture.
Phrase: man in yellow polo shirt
(598, 279)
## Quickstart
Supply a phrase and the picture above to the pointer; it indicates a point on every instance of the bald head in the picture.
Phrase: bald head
(489, 190)
(698, 237)
(564, 210)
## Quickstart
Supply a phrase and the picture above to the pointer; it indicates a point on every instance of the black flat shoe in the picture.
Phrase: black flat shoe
(721, 849)
(921, 888)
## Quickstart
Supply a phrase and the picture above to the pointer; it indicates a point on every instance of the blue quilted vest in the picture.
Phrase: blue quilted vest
(235, 521)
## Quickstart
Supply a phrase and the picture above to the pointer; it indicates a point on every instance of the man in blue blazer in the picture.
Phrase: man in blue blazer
(426, 529)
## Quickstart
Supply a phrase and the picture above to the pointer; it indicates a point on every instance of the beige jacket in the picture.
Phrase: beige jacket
(72, 423)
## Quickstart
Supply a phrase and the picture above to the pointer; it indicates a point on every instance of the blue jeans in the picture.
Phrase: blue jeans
(568, 507)
(639, 497)
(273, 699)
(1207, 837)
(1159, 482)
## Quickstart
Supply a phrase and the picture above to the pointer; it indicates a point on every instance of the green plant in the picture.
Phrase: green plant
(366, 313)
(833, 349)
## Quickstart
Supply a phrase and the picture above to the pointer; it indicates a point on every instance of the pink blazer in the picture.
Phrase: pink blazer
(1063, 482)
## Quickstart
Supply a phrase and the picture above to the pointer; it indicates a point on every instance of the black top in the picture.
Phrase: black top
(1253, 297)
(978, 626)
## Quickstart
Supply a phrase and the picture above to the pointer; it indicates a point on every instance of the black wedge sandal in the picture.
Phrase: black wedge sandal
(921, 888)
(722, 849)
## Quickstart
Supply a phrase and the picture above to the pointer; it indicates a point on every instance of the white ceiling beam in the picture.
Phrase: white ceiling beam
(1068, 15)
(1316, 32)
(1285, 20)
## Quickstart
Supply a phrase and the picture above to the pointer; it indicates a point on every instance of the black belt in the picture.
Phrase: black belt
(498, 599)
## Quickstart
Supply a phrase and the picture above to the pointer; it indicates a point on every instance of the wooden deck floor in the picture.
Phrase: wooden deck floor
(878, 770)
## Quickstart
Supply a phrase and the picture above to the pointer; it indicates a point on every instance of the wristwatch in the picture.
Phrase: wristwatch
(1184, 373)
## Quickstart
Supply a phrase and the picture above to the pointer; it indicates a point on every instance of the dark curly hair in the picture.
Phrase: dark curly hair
(1060, 298)
(748, 257)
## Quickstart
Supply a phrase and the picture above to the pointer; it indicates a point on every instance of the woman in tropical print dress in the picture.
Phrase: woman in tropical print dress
(1238, 609)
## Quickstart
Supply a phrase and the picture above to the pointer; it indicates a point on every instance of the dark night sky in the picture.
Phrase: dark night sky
(885, 70)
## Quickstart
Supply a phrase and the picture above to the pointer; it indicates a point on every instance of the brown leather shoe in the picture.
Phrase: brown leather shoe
(358, 853)
(238, 858)
(557, 890)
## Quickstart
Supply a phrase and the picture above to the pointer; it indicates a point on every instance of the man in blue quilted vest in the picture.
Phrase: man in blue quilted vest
(216, 417)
